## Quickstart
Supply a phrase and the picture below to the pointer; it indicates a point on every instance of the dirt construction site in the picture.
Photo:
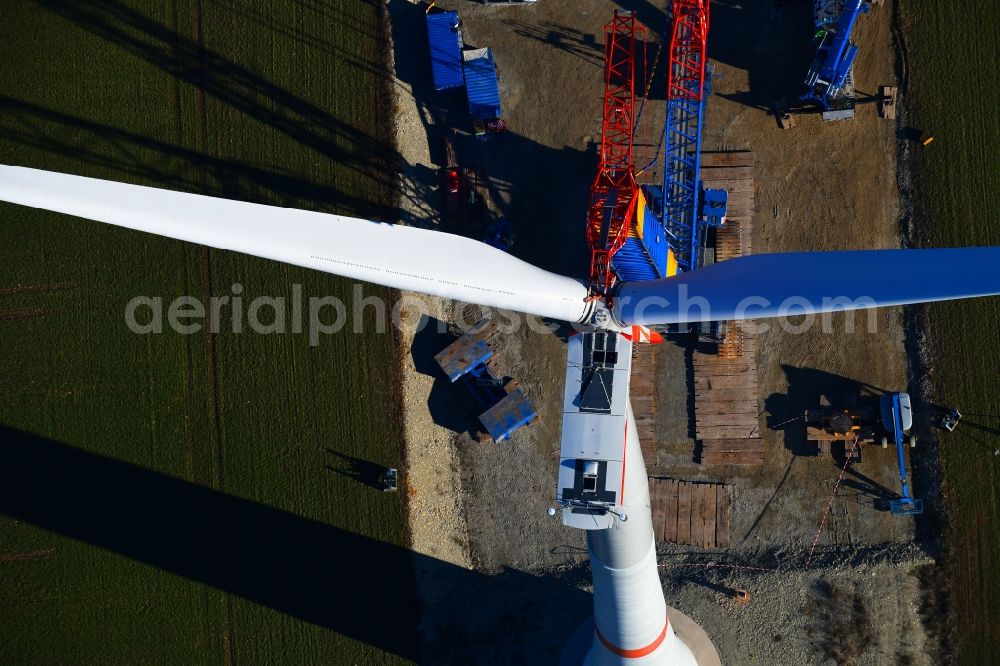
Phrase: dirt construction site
(781, 551)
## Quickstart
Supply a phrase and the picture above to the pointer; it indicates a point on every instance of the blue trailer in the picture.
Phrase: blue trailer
(444, 37)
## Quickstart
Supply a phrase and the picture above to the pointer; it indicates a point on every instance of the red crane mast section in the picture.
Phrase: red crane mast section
(613, 193)
(688, 47)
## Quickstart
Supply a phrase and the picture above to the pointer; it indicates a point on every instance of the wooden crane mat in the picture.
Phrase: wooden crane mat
(739, 452)
(733, 172)
(727, 395)
(642, 392)
(726, 390)
(695, 514)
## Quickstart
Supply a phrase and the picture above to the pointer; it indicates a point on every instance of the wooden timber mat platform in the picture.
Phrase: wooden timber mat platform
(690, 513)
(642, 392)
(731, 170)
(726, 389)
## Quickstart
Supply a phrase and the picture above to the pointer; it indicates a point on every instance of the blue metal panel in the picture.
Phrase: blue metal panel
(514, 411)
(713, 206)
(445, 43)
(481, 86)
(632, 263)
(645, 257)
(654, 238)
(463, 356)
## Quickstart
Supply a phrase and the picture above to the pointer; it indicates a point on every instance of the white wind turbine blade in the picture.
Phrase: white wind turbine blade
(774, 285)
(395, 256)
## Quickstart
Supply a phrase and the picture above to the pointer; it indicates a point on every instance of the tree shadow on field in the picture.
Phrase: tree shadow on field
(582, 45)
(348, 583)
(161, 163)
(315, 129)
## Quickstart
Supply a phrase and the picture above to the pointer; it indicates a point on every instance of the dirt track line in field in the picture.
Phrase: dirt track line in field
(22, 313)
(37, 288)
(201, 140)
(32, 555)
(435, 516)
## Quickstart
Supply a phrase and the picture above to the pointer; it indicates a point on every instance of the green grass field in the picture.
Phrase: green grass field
(183, 498)
(953, 58)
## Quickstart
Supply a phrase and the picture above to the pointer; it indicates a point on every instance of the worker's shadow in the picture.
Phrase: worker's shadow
(786, 411)
(448, 404)
(363, 471)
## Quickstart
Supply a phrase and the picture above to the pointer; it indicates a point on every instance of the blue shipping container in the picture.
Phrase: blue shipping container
(445, 41)
(481, 84)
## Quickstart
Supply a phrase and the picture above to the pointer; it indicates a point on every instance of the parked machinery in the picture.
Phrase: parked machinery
(897, 418)
(840, 421)
(829, 79)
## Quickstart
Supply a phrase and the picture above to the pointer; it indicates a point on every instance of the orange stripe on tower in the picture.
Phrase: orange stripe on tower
(639, 652)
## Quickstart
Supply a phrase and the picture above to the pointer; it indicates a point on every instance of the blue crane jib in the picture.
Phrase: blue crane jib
(687, 204)
(835, 56)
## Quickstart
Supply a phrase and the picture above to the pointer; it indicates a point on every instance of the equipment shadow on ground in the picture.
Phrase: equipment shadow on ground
(771, 41)
(450, 406)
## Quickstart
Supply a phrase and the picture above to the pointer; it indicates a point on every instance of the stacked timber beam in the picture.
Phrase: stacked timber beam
(727, 395)
(695, 514)
(642, 392)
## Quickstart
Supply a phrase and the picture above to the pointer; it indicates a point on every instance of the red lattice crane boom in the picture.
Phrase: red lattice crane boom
(613, 193)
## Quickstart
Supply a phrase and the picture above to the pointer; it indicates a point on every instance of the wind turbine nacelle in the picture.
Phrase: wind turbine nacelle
(595, 420)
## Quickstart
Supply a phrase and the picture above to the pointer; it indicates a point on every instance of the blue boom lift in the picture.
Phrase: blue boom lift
(897, 417)
(835, 54)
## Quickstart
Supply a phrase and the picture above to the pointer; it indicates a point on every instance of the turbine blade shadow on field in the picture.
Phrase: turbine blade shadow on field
(349, 583)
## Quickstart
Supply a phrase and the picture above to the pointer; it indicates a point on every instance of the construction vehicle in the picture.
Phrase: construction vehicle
(389, 480)
(897, 418)
(950, 420)
(846, 423)
(829, 82)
